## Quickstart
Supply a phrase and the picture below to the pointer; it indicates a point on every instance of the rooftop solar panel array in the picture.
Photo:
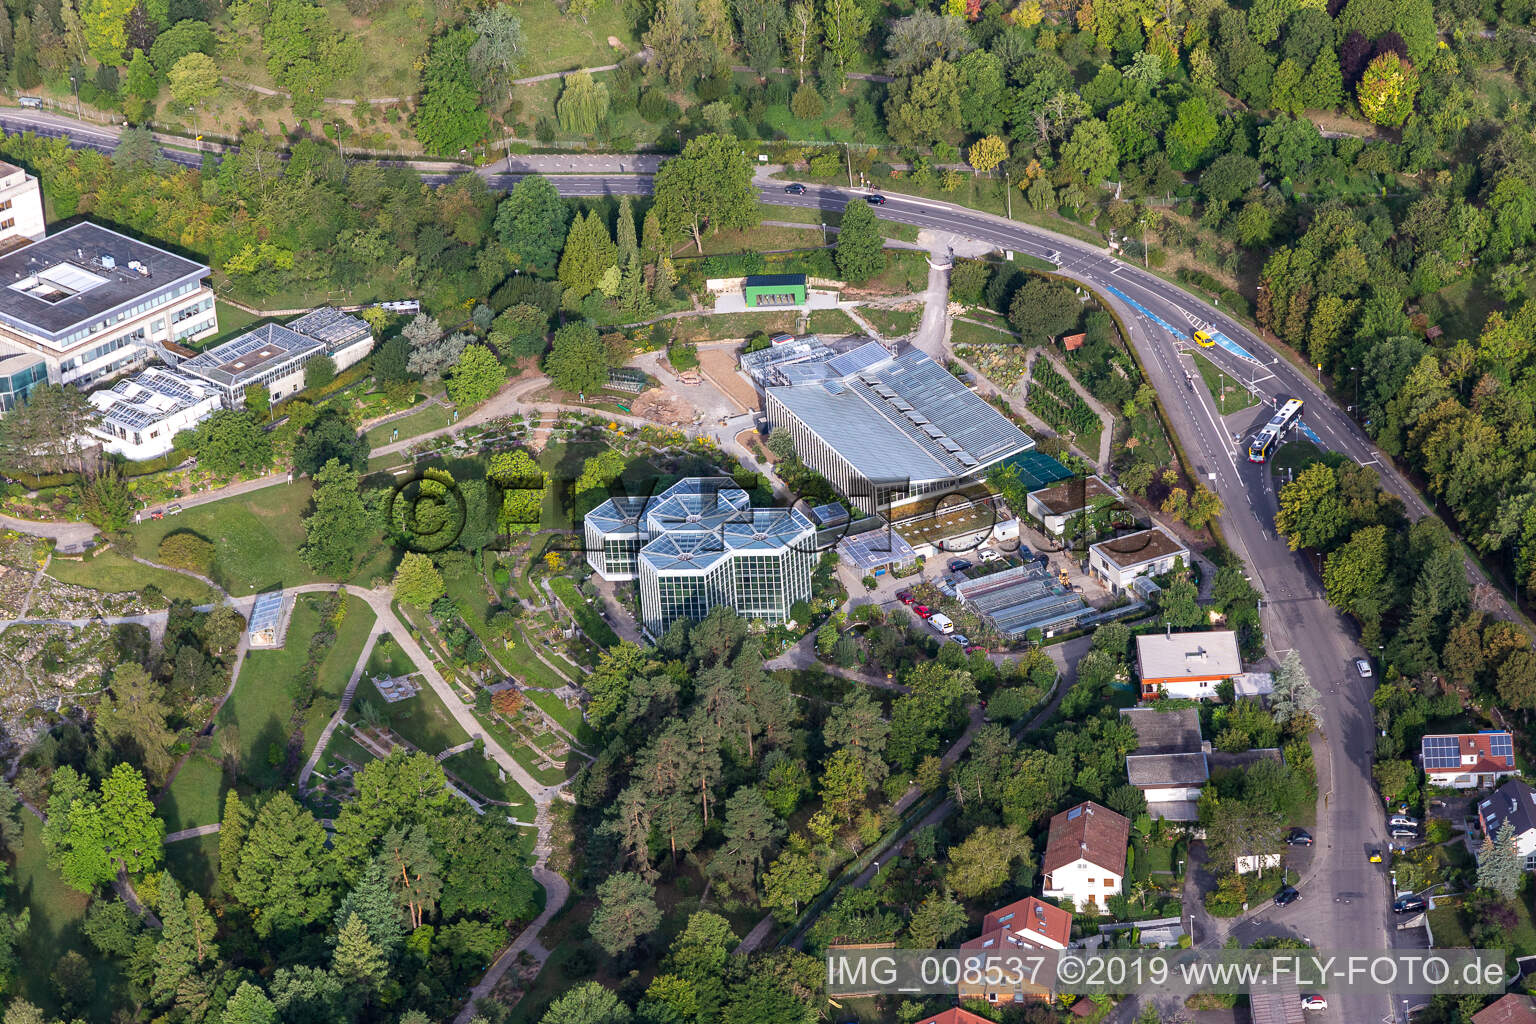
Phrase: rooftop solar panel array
(875, 548)
(859, 359)
(331, 326)
(1441, 752)
(1501, 744)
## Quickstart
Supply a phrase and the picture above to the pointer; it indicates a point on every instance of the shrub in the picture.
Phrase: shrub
(184, 550)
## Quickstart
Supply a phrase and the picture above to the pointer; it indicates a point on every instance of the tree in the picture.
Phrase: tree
(750, 828)
(476, 377)
(499, 48)
(47, 432)
(583, 104)
(800, 33)
(330, 436)
(920, 39)
(806, 104)
(938, 917)
(860, 251)
(681, 49)
(182, 38)
(338, 523)
(589, 252)
(1355, 576)
(1294, 693)
(1311, 512)
(228, 443)
(133, 718)
(587, 1003)
(1044, 309)
(1499, 864)
(319, 371)
(1387, 90)
(792, 879)
(417, 581)
(926, 109)
(519, 332)
(286, 873)
(844, 27)
(394, 794)
(249, 1005)
(358, 960)
(709, 183)
(432, 358)
(233, 829)
(1090, 154)
(194, 78)
(577, 361)
(372, 902)
(449, 116)
(1189, 138)
(104, 25)
(186, 947)
(626, 912)
(531, 223)
(984, 861)
(1394, 778)
(140, 87)
(987, 153)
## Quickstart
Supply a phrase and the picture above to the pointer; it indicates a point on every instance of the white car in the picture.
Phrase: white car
(1314, 1003)
(1363, 666)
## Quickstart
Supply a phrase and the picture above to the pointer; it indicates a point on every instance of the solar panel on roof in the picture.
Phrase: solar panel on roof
(933, 431)
(1441, 752)
(1502, 745)
(901, 405)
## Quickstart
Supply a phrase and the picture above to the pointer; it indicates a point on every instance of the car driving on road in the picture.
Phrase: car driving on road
(875, 200)
(795, 189)
(1363, 666)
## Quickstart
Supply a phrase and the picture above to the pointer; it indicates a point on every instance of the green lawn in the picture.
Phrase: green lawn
(196, 795)
(114, 573)
(587, 616)
(423, 720)
(389, 661)
(891, 322)
(834, 322)
(566, 43)
(521, 753)
(195, 863)
(57, 912)
(481, 774)
(1295, 455)
(569, 718)
(256, 538)
(962, 332)
(261, 707)
(520, 660)
(1229, 393)
(422, 421)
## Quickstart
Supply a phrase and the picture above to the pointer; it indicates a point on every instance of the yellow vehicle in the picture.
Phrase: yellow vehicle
(1375, 857)
(1204, 339)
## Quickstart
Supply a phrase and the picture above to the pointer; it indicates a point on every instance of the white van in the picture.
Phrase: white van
(941, 622)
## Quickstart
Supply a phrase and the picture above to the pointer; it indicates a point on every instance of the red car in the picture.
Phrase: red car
(973, 649)
(904, 596)
(922, 611)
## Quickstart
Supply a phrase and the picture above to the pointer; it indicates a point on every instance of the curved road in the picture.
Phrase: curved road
(1295, 613)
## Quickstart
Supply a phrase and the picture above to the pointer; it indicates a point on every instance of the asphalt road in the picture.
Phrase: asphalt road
(1350, 821)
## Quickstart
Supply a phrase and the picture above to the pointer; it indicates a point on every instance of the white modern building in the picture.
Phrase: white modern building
(1187, 665)
(699, 544)
(274, 355)
(1084, 861)
(88, 302)
(140, 416)
(886, 428)
(21, 207)
(1118, 562)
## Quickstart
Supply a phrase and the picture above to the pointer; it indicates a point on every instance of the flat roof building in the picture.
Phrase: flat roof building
(21, 207)
(90, 302)
(769, 291)
(886, 428)
(699, 544)
(140, 416)
(1186, 664)
(1121, 560)
(274, 355)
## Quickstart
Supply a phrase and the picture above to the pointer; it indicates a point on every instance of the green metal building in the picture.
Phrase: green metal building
(770, 291)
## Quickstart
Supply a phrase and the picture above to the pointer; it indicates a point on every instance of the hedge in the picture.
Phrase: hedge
(351, 375)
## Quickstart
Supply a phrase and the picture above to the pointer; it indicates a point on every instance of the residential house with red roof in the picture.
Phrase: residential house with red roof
(1030, 924)
(1468, 760)
(1509, 1009)
(1084, 860)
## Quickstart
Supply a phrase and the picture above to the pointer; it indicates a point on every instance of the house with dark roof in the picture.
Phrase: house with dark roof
(1171, 764)
(1121, 560)
(1027, 924)
(1508, 1009)
(1084, 861)
(1468, 760)
(1513, 803)
(1275, 1004)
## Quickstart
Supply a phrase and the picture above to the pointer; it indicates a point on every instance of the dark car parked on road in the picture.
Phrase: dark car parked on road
(1287, 895)
(1299, 837)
